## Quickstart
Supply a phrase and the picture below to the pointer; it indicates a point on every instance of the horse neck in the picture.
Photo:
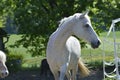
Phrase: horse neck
(62, 34)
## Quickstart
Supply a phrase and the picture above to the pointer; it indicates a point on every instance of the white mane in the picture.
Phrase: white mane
(68, 19)
(62, 21)
(65, 22)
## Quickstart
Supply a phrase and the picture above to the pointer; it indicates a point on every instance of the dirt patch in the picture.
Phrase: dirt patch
(96, 74)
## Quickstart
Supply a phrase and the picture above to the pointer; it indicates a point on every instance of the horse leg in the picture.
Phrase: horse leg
(74, 72)
(63, 70)
(55, 73)
(68, 75)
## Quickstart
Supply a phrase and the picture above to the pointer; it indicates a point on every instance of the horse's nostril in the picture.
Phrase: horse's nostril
(6, 73)
(95, 44)
(98, 42)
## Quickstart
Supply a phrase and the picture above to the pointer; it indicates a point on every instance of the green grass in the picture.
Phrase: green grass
(88, 54)
(93, 57)
(32, 62)
(28, 60)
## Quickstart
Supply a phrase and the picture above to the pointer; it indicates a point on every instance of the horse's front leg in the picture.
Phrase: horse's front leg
(68, 75)
(74, 72)
(63, 70)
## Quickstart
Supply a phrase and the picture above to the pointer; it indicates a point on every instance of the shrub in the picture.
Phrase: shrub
(14, 62)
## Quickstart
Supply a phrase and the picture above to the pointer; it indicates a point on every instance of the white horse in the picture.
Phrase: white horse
(63, 49)
(3, 69)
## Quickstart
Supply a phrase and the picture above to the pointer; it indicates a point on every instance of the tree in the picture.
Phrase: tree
(37, 19)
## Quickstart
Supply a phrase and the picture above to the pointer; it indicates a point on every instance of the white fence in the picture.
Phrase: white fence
(113, 46)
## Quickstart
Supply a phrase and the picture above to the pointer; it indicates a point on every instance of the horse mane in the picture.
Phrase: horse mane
(2, 56)
(65, 22)
(67, 19)
(62, 21)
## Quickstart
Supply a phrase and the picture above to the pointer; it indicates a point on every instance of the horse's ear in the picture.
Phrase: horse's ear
(85, 13)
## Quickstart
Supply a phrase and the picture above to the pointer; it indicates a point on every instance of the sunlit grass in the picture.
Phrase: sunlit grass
(32, 62)
(88, 54)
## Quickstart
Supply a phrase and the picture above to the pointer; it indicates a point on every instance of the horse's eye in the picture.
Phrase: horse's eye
(87, 25)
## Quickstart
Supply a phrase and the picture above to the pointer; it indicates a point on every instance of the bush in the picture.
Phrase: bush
(14, 62)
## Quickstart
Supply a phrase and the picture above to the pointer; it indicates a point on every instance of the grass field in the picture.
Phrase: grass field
(94, 57)
(28, 60)
(88, 54)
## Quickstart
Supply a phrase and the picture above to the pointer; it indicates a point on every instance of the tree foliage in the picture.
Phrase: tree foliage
(37, 19)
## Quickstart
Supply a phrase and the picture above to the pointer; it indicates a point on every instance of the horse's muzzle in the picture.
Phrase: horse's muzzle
(95, 44)
(4, 74)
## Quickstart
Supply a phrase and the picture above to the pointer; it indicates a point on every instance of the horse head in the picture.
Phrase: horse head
(84, 30)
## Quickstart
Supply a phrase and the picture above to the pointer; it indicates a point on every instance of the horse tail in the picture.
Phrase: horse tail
(83, 69)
